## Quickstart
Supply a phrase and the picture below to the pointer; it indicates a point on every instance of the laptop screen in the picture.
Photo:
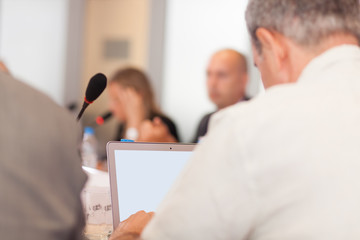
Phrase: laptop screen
(143, 176)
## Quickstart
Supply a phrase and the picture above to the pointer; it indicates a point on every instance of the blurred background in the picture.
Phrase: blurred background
(58, 45)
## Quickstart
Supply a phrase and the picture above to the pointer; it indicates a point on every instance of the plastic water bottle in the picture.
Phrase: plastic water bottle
(89, 148)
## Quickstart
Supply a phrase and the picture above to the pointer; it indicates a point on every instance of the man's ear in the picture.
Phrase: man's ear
(271, 42)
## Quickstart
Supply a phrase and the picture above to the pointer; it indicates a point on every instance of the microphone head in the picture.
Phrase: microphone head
(96, 86)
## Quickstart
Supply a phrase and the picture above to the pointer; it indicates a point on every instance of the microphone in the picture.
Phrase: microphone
(101, 119)
(96, 86)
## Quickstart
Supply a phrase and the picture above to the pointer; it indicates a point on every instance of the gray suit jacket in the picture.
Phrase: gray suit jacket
(40, 168)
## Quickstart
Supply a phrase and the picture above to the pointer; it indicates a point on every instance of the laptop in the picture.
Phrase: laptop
(142, 173)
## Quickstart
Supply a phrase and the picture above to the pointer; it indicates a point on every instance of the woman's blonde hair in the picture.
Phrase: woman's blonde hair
(137, 79)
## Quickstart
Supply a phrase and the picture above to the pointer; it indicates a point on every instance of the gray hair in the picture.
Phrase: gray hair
(306, 22)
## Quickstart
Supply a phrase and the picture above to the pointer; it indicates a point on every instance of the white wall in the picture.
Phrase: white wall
(33, 38)
(194, 31)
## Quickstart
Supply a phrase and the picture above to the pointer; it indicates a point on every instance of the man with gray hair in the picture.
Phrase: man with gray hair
(285, 165)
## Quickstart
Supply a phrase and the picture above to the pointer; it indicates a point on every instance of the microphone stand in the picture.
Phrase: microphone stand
(85, 105)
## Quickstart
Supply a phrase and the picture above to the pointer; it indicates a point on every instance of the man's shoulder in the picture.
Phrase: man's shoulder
(277, 100)
(202, 127)
(206, 118)
(17, 93)
(38, 144)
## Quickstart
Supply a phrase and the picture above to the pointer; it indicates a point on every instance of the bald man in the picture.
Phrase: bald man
(226, 83)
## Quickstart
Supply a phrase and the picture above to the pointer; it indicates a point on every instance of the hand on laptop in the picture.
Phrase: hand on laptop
(131, 228)
(155, 131)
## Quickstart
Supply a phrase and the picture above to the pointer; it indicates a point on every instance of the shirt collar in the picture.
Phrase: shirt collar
(328, 58)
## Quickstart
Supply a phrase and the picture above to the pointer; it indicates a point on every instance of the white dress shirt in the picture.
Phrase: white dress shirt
(284, 166)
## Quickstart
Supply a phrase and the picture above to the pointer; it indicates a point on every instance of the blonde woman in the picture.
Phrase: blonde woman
(132, 104)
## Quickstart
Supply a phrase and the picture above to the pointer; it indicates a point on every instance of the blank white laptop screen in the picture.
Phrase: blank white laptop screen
(141, 177)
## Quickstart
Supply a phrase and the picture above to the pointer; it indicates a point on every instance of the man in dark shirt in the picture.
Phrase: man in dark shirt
(226, 83)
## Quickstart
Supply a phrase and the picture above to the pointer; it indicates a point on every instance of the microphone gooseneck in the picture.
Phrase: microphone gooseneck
(96, 86)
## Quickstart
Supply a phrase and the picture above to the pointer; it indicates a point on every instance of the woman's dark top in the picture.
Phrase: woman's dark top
(167, 121)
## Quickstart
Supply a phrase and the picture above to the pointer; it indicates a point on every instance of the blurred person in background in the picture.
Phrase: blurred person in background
(132, 103)
(226, 83)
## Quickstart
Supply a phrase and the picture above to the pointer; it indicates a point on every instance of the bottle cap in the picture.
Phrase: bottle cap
(89, 130)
